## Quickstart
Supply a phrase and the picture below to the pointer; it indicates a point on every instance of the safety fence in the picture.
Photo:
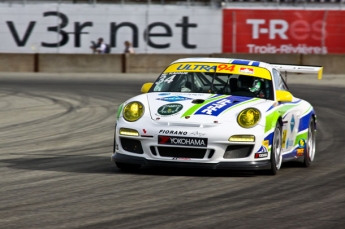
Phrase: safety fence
(147, 63)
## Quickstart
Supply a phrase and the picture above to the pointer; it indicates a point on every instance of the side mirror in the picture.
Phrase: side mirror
(146, 87)
(283, 96)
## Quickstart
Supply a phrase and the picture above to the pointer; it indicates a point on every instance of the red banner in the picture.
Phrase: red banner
(283, 31)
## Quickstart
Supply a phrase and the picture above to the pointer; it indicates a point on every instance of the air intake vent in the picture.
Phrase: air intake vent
(131, 145)
(153, 150)
(181, 152)
(238, 151)
(210, 155)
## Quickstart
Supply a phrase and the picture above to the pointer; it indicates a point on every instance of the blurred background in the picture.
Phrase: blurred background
(293, 29)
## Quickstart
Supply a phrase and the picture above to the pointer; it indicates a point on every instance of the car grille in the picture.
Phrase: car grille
(131, 145)
(238, 151)
(181, 152)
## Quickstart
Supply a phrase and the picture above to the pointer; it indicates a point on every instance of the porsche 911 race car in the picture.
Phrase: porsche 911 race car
(216, 113)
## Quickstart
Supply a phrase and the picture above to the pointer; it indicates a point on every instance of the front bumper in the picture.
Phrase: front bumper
(244, 165)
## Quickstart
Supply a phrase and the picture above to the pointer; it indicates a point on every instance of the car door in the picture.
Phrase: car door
(290, 113)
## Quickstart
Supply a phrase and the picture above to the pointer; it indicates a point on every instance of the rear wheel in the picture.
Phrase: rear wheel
(309, 153)
(127, 166)
(276, 150)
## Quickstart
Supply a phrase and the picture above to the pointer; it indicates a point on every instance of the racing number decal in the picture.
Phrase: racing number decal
(164, 79)
(225, 67)
(169, 79)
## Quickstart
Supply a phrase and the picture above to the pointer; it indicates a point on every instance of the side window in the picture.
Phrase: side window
(279, 82)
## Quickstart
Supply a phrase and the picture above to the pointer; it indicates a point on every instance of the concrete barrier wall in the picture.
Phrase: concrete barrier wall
(152, 63)
(294, 59)
(80, 63)
(146, 63)
(332, 64)
(11, 62)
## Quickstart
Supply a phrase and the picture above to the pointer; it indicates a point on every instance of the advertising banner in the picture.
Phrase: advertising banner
(283, 31)
(70, 28)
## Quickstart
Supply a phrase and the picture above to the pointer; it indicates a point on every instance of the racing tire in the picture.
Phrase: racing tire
(127, 166)
(309, 153)
(276, 150)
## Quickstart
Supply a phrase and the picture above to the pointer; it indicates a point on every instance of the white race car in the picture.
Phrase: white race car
(216, 113)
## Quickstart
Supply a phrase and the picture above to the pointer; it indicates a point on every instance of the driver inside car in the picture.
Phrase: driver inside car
(257, 88)
(187, 87)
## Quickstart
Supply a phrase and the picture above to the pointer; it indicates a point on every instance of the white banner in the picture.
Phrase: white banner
(69, 28)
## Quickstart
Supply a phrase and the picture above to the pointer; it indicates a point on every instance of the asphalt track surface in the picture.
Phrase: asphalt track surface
(56, 135)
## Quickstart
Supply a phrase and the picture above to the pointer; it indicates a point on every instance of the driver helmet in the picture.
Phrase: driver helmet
(256, 86)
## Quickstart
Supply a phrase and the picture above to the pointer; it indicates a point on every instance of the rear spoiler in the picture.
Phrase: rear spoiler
(300, 69)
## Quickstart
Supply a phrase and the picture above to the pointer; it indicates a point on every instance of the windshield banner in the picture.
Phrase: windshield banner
(220, 67)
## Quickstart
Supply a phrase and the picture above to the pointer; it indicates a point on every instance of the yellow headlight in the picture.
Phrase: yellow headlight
(248, 117)
(133, 111)
(128, 132)
(242, 138)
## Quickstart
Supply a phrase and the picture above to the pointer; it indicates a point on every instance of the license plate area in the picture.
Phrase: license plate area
(182, 141)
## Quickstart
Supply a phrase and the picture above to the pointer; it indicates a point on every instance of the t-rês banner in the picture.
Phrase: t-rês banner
(283, 31)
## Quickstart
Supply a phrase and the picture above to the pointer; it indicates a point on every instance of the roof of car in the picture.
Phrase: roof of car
(225, 60)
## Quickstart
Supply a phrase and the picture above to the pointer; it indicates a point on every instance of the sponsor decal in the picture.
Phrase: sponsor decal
(197, 133)
(181, 158)
(263, 152)
(174, 132)
(169, 109)
(247, 70)
(289, 143)
(284, 138)
(261, 155)
(178, 73)
(266, 143)
(292, 123)
(180, 94)
(184, 141)
(301, 143)
(300, 152)
(174, 98)
(220, 67)
(215, 108)
(197, 67)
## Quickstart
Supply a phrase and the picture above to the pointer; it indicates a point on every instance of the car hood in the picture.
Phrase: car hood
(200, 108)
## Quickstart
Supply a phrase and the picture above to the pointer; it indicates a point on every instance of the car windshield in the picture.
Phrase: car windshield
(214, 83)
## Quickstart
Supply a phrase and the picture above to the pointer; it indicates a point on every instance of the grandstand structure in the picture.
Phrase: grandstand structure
(209, 3)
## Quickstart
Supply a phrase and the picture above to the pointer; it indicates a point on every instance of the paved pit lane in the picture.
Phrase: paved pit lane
(56, 134)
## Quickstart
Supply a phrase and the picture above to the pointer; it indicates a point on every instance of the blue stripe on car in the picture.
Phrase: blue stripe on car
(218, 106)
(304, 121)
(246, 62)
(243, 62)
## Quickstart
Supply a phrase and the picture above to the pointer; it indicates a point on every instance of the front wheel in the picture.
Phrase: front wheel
(309, 153)
(276, 150)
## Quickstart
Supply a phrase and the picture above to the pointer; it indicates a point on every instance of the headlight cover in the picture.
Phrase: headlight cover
(133, 111)
(242, 138)
(249, 117)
